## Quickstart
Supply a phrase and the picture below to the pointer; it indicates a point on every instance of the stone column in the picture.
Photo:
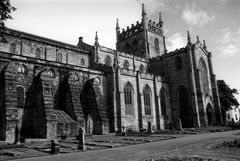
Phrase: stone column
(81, 143)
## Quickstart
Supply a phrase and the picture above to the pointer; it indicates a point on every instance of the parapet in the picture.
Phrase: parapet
(130, 31)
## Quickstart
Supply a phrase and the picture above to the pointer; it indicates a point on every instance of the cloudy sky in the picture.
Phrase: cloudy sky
(216, 21)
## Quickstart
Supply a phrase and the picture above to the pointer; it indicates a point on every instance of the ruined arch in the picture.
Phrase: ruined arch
(93, 108)
(186, 113)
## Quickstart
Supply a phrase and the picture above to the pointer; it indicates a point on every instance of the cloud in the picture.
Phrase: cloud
(230, 50)
(176, 41)
(195, 16)
(228, 44)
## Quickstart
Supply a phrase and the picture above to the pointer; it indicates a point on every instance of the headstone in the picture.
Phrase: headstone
(123, 131)
(149, 127)
(81, 143)
(178, 124)
(55, 147)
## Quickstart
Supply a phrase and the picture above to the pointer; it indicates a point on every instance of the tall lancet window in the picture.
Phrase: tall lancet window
(147, 100)
(156, 45)
(128, 99)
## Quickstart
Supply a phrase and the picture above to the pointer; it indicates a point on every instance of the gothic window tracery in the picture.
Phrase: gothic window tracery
(156, 45)
(204, 76)
(141, 68)
(108, 61)
(126, 64)
(128, 98)
(38, 53)
(21, 69)
(82, 62)
(59, 57)
(147, 100)
(12, 48)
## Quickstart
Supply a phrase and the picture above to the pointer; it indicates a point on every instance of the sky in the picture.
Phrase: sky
(216, 21)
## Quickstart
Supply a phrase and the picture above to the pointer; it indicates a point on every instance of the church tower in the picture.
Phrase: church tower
(145, 39)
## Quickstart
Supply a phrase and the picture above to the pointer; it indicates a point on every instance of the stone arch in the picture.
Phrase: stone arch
(204, 76)
(108, 60)
(92, 105)
(178, 63)
(147, 97)
(156, 46)
(186, 113)
(210, 114)
(128, 98)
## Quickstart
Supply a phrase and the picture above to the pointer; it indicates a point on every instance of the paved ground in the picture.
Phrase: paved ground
(197, 145)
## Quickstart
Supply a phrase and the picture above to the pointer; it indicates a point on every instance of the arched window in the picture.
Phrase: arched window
(12, 48)
(50, 73)
(22, 69)
(126, 64)
(204, 76)
(59, 57)
(108, 61)
(156, 45)
(128, 99)
(178, 63)
(82, 62)
(38, 53)
(163, 100)
(20, 96)
(141, 68)
(147, 100)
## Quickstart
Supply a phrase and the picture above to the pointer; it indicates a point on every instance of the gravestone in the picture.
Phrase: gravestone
(81, 143)
(55, 148)
(178, 125)
(149, 127)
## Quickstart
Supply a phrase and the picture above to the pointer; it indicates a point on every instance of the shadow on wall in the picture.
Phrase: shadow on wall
(34, 122)
(92, 104)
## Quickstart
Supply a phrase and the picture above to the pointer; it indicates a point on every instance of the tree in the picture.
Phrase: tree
(5, 10)
(226, 95)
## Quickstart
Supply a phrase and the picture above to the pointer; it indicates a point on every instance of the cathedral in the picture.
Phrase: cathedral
(50, 89)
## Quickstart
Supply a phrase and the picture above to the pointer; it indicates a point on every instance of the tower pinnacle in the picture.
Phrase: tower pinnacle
(143, 11)
(189, 38)
(117, 26)
(204, 45)
(160, 19)
(96, 39)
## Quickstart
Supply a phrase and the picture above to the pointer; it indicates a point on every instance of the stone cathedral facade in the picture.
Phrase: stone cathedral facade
(49, 89)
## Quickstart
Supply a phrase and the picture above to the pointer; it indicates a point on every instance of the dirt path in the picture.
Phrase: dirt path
(193, 145)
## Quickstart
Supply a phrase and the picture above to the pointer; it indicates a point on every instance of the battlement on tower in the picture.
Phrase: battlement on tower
(130, 31)
(155, 27)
